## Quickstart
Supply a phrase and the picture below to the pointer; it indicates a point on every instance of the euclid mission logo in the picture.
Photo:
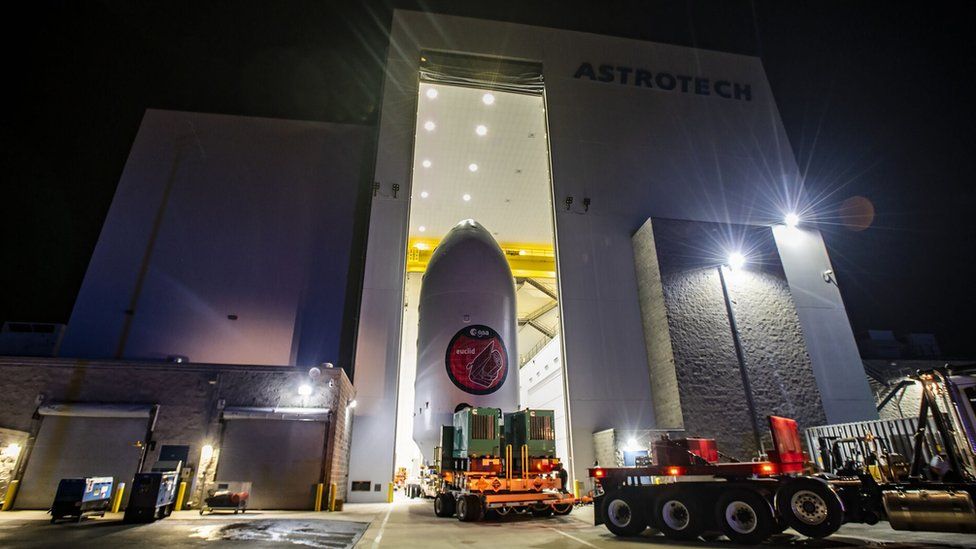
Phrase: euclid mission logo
(477, 361)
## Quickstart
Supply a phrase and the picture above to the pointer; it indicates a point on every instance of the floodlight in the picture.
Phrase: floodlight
(736, 260)
(791, 220)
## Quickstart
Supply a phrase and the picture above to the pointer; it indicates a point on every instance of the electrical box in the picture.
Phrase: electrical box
(151, 497)
(533, 428)
(477, 433)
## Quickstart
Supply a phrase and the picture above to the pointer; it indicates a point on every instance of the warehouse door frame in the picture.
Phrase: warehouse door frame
(148, 412)
(243, 413)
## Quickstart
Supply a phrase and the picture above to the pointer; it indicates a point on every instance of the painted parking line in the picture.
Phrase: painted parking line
(574, 538)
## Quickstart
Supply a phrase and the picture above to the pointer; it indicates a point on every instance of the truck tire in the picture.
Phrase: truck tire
(623, 514)
(562, 509)
(810, 507)
(678, 515)
(444, 505)
(469, 508)
(744, 516)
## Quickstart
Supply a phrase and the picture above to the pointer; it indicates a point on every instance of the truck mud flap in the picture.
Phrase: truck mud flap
(598, 510)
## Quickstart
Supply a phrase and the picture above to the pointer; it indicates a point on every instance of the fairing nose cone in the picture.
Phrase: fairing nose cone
(466, 344)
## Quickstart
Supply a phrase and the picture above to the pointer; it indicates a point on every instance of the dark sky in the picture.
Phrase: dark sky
(876, 98)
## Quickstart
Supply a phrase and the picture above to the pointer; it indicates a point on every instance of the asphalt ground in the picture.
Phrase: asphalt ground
(406, 523)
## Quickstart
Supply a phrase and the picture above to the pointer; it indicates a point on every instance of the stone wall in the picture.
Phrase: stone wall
(695, 344)
(190, 397)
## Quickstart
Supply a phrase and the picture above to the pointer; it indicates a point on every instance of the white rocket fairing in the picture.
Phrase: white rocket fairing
(466, 344)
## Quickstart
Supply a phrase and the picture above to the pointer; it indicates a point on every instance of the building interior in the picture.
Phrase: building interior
(482, 153)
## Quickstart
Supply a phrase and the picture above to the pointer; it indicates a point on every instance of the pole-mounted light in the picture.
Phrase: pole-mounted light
(736, 260)
(791, 220)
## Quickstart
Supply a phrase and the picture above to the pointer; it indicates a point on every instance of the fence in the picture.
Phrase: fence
(898, 433)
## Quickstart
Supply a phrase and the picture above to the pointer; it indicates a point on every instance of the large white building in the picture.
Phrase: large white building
(617, 175)
(633, 130)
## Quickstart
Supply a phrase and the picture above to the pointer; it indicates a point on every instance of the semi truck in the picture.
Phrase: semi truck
(687, 493)
(492, 463)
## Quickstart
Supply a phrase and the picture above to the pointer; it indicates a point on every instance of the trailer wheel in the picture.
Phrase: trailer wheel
(562, 509)
(444, 505)
(469, 508)
(810, 507)
(678, 515)
(744, 516)
(542, 510)
(623, 515)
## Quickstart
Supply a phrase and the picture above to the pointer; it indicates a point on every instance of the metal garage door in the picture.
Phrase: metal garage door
(282, 459)
(80, 446)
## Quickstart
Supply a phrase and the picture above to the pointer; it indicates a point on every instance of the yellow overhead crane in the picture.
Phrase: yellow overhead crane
(526, 260)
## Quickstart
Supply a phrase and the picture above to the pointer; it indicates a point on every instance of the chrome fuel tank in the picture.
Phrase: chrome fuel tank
(930, 510)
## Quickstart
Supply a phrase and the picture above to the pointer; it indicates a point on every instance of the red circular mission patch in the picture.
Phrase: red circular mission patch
(477, 361)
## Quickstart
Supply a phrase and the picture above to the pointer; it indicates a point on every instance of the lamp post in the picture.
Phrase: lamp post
(736, 261)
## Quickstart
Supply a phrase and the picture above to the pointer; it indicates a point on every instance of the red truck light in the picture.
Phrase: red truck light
(764, 469)
(599, 473)
(674, 471)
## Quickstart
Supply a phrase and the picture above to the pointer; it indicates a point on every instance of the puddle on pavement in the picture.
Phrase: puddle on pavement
(324, 534)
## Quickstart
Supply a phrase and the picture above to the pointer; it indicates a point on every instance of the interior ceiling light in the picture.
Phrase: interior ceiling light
(487, 99)
(429, 125)
(421, 228)
(481, 130)
(432, 93)
(426, 163)
(473, 167)
(466, 197)
(791, 220)
(424, 194)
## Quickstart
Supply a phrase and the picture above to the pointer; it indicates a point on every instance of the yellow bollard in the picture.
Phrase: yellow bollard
(118, 497)
(332, 496)
(8, 500)
(578, 488)
(318, 496)
(180, 494)
(389, 494)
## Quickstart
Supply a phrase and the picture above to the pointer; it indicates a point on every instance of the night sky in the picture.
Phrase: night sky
(876, 98)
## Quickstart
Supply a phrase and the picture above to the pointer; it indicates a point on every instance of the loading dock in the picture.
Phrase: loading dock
(83, 440)
(281, 452)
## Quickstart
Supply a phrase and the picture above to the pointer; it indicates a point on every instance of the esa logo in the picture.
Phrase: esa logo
(477, 360)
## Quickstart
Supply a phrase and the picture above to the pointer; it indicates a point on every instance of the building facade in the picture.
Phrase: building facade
(283, 244)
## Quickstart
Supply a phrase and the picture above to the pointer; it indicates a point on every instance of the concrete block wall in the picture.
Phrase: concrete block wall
(695, 374)
(188, 395)
(605, 447)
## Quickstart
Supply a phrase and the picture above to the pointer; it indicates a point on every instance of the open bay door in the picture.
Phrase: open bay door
(83, 440)
(280, 452)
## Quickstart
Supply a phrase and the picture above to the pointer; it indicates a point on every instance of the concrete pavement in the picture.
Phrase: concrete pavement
(407, 524)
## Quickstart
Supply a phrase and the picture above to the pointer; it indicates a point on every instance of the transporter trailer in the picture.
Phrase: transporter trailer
(492, 464)
(687, 493)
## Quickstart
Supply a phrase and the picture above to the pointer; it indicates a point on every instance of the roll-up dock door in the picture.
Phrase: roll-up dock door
(83, 440)
(281, 454)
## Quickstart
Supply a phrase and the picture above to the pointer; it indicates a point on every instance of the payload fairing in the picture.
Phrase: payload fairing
(466, 344)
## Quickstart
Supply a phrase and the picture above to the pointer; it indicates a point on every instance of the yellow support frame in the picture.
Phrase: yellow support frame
(526, 260)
